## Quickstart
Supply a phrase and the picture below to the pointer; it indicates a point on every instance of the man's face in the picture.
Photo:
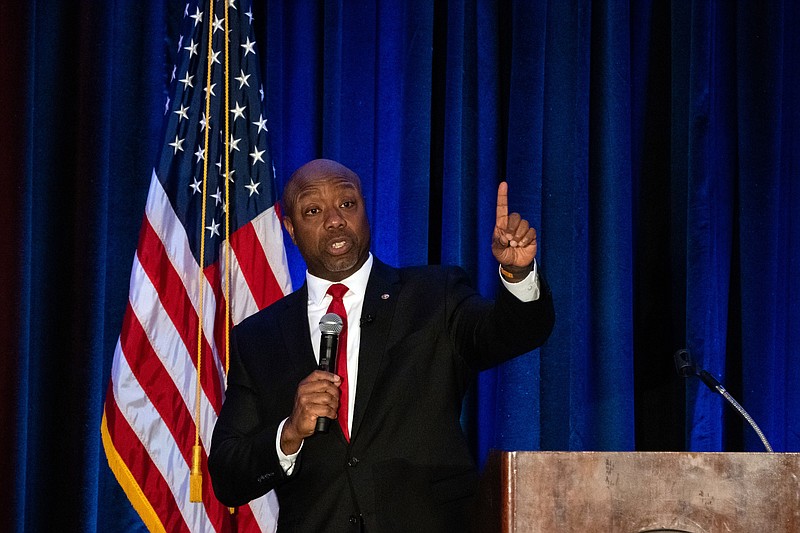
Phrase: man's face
(328, 223)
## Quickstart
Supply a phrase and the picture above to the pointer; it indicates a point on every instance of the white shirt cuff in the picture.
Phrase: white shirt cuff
(286, 461)
(526, 290)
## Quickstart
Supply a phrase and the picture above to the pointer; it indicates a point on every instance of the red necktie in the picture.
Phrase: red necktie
(338, 290)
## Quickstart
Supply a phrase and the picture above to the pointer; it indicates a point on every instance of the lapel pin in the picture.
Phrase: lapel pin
(384, 296)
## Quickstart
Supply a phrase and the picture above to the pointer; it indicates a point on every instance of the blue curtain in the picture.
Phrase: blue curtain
(655, 146)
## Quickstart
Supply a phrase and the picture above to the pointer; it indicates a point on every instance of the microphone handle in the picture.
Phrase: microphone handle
(712, 383)
(328, 345)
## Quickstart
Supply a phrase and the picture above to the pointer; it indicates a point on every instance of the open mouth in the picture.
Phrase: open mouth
(339, 246)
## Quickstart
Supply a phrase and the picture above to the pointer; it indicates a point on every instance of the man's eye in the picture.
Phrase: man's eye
(348, 203)
(312, 211)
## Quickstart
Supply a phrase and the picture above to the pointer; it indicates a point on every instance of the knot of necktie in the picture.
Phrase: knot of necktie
(337, 290)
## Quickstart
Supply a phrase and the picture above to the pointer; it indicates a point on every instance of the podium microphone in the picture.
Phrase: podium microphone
(687, 368)
(330, 326)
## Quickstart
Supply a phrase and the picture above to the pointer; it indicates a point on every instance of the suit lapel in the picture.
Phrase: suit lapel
(376, 319)
(294, 325)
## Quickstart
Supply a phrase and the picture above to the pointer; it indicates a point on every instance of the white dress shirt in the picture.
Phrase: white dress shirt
(318, 302)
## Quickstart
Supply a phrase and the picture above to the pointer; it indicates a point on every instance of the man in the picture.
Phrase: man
(415, 338)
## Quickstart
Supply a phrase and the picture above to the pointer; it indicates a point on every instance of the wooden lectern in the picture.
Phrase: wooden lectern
(637, 492)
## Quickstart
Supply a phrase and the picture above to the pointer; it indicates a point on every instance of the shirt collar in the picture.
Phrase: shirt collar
(356, 282)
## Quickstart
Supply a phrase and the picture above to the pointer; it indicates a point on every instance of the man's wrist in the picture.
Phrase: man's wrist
(287, 461)
(515, 274)
(290, 440)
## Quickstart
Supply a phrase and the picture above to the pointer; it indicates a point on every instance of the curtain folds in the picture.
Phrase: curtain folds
(653, 145)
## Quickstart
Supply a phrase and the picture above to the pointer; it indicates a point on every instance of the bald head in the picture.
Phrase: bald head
(324, 213)
(316, 170)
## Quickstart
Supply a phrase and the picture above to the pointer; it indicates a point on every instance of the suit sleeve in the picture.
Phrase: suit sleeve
(487, 333)
(243, 462)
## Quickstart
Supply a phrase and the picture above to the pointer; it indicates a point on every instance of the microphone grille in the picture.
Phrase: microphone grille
(331, 324)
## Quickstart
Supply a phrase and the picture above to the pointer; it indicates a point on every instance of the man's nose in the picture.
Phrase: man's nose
(335, 219)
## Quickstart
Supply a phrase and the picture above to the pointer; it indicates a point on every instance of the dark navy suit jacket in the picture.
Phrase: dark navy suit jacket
(425, 334)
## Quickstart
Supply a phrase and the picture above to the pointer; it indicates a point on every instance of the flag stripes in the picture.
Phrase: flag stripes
(255, 272)
(123, 447)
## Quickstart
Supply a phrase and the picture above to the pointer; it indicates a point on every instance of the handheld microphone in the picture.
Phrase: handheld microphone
(687, 368)
(330, 326)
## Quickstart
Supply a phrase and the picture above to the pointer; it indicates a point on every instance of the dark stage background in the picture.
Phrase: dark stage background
(655, 145)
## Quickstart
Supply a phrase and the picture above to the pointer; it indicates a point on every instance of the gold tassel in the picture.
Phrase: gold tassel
(196, 477)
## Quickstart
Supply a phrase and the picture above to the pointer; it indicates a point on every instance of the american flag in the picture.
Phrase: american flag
(151, 413)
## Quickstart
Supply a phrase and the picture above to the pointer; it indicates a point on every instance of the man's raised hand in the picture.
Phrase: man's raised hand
(513, 240)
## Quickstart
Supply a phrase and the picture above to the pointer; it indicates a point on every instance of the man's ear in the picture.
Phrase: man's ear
(287, 223)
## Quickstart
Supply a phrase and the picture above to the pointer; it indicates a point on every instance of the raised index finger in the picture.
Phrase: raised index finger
(502, 203)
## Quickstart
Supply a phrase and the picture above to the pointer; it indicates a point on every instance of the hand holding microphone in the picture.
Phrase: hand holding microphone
(316, 396)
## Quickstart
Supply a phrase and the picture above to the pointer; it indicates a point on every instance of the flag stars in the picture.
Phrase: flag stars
(242, 79)
(177, 145)
(238, 111)
(261, 123)
(213, 229)
(256, 155)
(253, 187)
(182, 113)
(248, 46)
(192, 48)
(219, 167)
(248, 141)
(217, 196)
(198, 16)
(217, 23)
(187, 81)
